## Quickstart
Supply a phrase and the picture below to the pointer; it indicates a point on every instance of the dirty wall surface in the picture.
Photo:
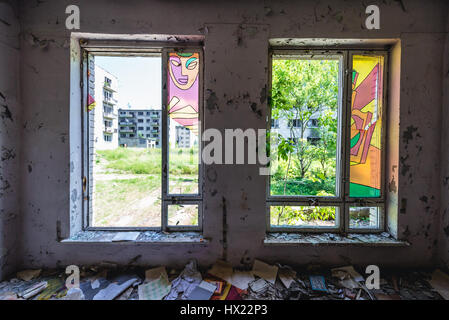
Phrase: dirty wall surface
(10, 119)
(235, 80)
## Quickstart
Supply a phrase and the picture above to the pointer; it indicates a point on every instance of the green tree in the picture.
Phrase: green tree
(327, 144)
(301, 90)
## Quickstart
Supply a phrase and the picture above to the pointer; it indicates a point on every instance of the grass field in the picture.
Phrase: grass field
(127, 187)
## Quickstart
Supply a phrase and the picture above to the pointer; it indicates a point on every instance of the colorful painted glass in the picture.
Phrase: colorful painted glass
(366, 126)
(183, 70)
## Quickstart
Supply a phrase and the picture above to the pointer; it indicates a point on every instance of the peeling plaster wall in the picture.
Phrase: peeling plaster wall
(443, 243)
(9, 137)
(236, 75)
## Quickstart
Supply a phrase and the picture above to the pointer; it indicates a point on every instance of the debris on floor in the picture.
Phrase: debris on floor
(263, 281)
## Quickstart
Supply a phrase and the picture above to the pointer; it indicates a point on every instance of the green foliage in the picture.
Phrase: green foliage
(298, 215)
(303, 90)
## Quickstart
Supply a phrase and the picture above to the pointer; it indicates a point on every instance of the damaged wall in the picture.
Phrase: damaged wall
(236, 75)
(9, 136)
(443, 242)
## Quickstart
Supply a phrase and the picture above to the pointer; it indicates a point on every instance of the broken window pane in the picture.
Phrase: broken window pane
(183, 215)
(303, 216)
(183, 110)
(304, 108)
(366, 126)
(364, 217)
(124, 163)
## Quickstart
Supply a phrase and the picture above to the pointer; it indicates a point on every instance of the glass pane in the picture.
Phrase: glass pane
(183, 110)
(364, 217)
(366, 126)
(303, 135)
(125, 161)
(303, 216)
(183, 215)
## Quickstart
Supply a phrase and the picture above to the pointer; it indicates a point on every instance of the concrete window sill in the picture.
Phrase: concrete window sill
(152, 237)
(331, 239)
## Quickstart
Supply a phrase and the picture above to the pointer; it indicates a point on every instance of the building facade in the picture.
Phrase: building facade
(105, 111)
(183, 137)
(140, 128)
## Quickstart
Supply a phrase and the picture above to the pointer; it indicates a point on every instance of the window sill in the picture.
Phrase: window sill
(120, 237)
(355, 239)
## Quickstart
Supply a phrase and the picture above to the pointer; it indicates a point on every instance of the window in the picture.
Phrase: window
(130, 183)
(313, 123)
(327, 163)
(275, 123)
(108, 109)
(294, 123)
(107, 95)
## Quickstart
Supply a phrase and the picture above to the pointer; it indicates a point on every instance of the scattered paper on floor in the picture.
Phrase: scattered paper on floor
(241, 279)
(342, 271)
(287, 276)
(222, 270)
(265, 271)
(203, 291)
(155, 273)
(440, 282)
(28, 275)
(154, 290)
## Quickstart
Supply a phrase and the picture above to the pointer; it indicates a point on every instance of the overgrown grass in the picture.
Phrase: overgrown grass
(128, 189)
(117, 198)
(312, 184)
(148, 161)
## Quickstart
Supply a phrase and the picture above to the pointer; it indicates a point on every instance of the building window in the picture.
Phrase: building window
(294, 123)
(313, 123)
(115, 202)
(327, 169)
(107, 95)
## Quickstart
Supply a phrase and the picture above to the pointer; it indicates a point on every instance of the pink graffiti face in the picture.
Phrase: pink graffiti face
(184, 69)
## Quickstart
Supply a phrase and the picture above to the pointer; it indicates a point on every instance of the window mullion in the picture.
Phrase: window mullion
(164, 123)
(347, 90)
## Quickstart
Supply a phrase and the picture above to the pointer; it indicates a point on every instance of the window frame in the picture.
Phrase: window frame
(130, 48)
(341, 201)
(171, 198)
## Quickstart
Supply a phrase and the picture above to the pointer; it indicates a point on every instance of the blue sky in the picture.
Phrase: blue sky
(139, 80)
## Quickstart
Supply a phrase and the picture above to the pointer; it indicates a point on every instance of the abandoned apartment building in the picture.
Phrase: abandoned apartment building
(231, 150)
